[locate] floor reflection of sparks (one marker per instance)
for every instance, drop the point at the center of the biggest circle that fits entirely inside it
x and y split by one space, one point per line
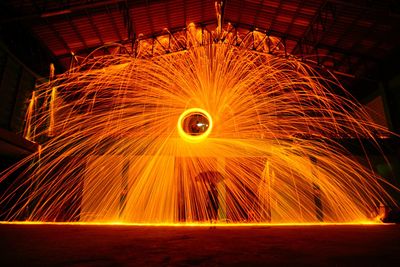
265 150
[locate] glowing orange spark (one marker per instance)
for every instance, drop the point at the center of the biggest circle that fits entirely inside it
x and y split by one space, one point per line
194 138
267 150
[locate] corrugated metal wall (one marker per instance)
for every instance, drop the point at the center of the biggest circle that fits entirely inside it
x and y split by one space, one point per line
16 85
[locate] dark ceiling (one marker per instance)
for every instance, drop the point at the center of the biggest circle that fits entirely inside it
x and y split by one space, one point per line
353 38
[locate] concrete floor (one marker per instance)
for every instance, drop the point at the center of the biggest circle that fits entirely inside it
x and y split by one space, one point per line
77 245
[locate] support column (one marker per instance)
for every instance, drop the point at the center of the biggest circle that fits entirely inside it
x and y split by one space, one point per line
221 190
319 214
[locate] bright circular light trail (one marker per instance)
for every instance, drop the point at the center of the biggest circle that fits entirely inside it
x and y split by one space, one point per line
194 125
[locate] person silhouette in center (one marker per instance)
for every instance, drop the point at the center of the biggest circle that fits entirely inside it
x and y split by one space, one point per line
212 202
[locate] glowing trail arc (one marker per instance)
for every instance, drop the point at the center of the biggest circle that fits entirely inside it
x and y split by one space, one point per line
263 144
190 137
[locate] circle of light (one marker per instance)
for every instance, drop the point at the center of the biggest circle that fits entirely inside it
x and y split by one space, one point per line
191 138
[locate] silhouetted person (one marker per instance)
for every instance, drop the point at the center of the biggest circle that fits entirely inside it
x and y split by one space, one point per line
213 202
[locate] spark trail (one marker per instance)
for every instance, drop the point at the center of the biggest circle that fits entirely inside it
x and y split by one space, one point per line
265 147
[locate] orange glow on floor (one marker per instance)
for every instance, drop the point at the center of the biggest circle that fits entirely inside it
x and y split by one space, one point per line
366 223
